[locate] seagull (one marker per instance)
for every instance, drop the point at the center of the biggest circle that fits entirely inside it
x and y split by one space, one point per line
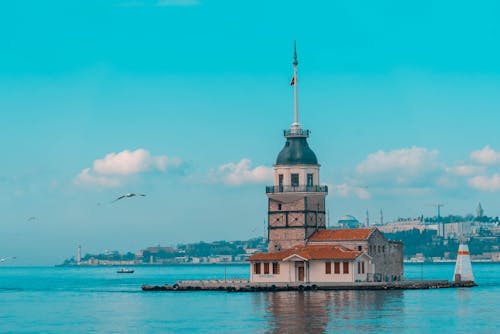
31 218
127 196
6 258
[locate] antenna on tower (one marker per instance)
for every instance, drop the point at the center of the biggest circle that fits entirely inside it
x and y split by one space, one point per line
295 125
367 219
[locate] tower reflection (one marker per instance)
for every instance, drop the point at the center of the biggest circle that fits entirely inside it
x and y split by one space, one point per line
329 311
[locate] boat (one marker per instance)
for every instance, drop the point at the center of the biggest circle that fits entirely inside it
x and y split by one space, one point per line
125 271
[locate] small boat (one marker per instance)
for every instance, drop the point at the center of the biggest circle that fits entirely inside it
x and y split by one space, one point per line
125 271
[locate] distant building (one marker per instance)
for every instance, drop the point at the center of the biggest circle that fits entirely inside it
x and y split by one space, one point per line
348 221
300 248
479 211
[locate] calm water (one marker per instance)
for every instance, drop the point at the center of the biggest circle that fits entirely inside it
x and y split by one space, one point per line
98 300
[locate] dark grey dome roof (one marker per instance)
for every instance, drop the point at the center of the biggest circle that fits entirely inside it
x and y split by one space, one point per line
296 152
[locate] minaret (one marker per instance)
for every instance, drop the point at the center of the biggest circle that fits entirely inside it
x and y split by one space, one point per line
79 255
296 207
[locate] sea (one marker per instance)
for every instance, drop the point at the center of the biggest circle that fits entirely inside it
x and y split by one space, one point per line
99 300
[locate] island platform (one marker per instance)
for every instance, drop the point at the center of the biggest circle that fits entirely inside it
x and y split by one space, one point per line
243 285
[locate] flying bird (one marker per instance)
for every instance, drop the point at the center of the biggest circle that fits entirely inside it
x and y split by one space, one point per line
31 219
7 258
127 196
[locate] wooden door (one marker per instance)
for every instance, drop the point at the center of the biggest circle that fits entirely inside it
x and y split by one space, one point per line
300 272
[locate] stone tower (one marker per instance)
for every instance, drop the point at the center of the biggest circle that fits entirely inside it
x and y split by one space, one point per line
296 207
479 211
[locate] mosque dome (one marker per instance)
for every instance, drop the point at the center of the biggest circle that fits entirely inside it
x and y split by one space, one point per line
349 221
296 152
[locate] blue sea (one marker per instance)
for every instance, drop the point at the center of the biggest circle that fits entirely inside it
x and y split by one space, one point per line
98 300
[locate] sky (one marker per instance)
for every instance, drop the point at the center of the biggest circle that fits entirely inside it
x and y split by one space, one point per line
185 101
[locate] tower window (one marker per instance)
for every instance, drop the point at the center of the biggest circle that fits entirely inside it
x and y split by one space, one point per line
295 180
309 179
279 206
280 180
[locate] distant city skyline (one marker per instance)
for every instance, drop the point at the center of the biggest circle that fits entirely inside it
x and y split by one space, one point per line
185 101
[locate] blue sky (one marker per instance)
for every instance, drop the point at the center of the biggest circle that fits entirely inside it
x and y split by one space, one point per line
185 100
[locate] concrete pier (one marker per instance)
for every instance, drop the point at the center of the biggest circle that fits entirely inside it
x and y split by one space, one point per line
243 285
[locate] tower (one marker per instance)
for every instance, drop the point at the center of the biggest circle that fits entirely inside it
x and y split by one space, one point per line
79 255
296 206
479 211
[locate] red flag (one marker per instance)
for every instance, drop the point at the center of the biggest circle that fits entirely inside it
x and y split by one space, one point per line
293 81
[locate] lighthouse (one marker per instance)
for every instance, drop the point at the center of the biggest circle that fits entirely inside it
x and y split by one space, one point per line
463 267
296 201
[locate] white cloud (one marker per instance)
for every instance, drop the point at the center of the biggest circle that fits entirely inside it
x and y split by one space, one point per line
242 173
112 170
133 162
406 161
88 179
486 183
466 170
486 156
345 190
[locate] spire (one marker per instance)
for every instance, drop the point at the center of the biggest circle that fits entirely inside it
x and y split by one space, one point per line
295 125
295 62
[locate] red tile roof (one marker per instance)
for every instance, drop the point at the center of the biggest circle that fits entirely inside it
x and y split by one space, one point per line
311 252
342 235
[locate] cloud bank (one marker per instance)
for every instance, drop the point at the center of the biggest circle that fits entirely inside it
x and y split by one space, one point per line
486 156
240 173
113 170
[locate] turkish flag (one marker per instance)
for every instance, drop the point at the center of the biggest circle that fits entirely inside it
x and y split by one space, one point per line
293 81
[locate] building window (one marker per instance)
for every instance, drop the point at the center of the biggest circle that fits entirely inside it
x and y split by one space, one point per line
346 268
359 267
309 179
336 267
363 267
280 182
276 268
328 267
379 248
266 268
295 180
383 249
279 206
360 248
256 268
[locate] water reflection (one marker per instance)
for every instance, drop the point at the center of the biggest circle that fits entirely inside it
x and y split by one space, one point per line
331 311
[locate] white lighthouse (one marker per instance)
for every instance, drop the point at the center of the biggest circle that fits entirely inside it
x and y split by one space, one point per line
463 267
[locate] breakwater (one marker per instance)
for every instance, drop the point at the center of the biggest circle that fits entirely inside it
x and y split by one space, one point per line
244 285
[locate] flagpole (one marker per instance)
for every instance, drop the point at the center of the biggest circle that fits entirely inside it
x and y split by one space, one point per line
295 125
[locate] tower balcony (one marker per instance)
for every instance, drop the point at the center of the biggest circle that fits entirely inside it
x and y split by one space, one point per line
296 189
296 132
